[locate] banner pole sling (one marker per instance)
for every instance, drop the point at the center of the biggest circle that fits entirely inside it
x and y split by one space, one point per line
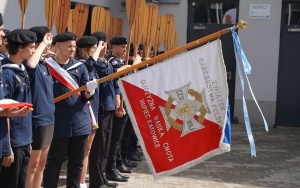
156 59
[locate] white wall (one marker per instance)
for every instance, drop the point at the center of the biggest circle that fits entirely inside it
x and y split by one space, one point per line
260 41
180 12
34 15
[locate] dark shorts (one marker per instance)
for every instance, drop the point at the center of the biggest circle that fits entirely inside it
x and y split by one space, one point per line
42 136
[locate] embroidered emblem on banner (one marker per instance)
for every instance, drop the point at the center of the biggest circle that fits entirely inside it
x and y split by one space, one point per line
186 105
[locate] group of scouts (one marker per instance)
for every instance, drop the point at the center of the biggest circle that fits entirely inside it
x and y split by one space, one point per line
90 129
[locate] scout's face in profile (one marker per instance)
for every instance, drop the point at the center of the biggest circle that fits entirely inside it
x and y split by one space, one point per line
120 50
27 51
67 48
92 50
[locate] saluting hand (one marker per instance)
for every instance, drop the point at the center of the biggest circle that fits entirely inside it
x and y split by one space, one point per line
48 38
137 59
101 44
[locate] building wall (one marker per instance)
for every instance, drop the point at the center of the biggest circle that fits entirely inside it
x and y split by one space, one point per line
260 41
34 15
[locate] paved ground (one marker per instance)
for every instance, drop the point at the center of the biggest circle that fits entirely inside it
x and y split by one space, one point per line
277 164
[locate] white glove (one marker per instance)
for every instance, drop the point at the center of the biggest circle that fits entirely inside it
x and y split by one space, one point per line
91 86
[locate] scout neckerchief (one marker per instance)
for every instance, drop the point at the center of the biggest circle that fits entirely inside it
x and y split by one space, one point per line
21 69
66 79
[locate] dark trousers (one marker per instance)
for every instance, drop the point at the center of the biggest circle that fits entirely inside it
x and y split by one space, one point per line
15 175
100 150
117 132
126 142
74 147
0 165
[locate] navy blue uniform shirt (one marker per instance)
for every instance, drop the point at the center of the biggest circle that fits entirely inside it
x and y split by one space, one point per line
4 140
41 84
17 87
72 116
107 93
116 63
90 65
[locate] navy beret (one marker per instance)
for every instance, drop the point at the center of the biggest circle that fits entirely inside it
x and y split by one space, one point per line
86 41
100 36
40 32
1 19
53 40
6 32
65 36
21 36
118 40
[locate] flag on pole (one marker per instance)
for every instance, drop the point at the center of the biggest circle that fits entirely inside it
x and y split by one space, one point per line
178 109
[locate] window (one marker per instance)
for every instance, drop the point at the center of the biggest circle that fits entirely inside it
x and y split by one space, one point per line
214 13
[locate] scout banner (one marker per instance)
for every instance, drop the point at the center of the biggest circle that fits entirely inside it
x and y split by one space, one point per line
179 109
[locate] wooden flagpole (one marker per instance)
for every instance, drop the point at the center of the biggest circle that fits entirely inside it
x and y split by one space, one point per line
160 33
150 28
156 59
170 29
132 10
78 19
107 21
61 21
81 13
23 6
98 19
138 27
51 11
120 26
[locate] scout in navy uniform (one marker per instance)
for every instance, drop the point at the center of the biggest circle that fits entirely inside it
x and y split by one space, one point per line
41 84
119 49
88 50
21 46
72 118
6 155
100 146
3 49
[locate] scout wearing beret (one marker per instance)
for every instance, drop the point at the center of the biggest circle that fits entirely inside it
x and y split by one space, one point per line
6 155
100 36
5 151
40 32
100 146
16 82
119 49
88 50
41 84
72 115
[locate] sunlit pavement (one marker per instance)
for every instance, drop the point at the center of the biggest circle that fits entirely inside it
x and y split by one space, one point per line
277 164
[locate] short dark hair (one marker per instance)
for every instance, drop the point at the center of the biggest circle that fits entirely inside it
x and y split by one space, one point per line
13 48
